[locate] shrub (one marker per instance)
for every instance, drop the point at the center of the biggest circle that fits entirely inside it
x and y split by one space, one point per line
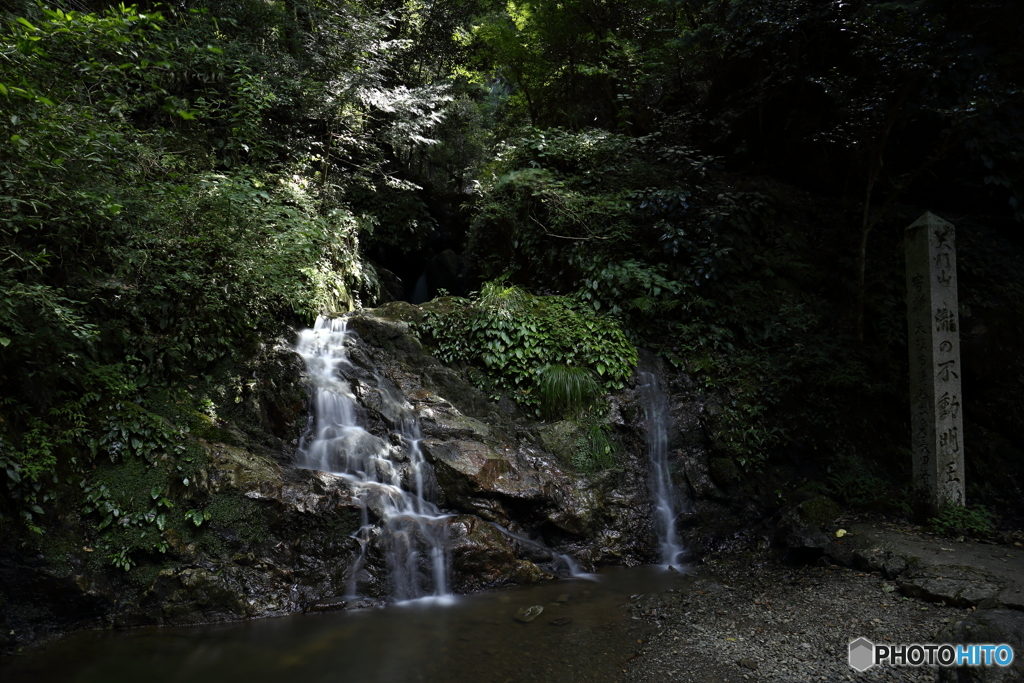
954 520
548 353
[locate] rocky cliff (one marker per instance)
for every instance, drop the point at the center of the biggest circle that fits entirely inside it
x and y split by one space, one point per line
277 538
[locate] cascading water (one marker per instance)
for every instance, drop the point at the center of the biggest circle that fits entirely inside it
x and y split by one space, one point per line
667 504
388 479
571 565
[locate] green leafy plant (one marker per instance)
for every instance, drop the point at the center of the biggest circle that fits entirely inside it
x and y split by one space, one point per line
131 430
852 481
154 220
594 450
953 520
197 517
124 524
548 353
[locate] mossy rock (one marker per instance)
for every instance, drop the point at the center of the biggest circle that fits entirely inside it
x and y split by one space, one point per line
400 311
560 439
236 523
206 428
806 518
818 510
723 471
238 468
442 305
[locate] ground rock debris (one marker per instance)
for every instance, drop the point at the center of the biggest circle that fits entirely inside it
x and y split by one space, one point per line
748 618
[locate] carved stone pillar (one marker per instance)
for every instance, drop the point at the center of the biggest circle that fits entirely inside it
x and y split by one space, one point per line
936 422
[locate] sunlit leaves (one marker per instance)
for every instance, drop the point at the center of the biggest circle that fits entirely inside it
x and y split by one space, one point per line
548 355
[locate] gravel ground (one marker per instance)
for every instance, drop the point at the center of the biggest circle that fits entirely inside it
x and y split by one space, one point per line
759 621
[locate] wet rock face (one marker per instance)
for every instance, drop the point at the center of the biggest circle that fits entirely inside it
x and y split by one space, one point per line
496 469
715 506
281 539
493 462
287 546
282 396
39 599
482 557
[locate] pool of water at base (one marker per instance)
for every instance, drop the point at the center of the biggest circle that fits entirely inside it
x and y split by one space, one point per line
473 638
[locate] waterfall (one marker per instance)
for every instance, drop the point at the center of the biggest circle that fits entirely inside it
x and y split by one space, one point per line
387 478
667 504
421 292
571 565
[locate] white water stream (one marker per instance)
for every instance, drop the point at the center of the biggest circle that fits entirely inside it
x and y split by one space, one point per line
473 639
667 503
388 479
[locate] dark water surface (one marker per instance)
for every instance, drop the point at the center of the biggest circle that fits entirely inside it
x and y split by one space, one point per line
473 639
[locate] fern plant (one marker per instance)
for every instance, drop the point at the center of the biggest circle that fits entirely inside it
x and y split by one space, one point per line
594 450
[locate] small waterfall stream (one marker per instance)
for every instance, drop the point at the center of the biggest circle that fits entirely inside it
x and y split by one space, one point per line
667 503
432 640
387 478
393 483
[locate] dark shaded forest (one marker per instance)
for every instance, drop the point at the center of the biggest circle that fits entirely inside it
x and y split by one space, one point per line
721 183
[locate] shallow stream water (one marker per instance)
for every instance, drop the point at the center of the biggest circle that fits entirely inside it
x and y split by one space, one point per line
473 638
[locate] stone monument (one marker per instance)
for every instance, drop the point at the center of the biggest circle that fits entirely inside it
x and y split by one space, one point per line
935 422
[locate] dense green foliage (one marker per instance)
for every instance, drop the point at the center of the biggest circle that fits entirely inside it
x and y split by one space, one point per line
544 352
168 204
719 279
724 182
777 301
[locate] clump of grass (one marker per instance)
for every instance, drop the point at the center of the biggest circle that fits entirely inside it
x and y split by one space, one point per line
567 391
508 302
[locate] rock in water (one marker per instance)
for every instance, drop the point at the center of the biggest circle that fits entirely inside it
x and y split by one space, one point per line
528 614
561 621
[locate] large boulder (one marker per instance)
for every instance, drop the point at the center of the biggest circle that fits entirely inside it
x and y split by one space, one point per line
284 541
489 460
483 558
987 626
